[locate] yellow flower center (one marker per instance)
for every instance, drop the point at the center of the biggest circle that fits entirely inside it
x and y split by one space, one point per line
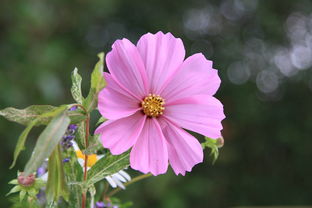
153 105
92 159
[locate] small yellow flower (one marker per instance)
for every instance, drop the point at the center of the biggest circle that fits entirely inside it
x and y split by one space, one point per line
92 159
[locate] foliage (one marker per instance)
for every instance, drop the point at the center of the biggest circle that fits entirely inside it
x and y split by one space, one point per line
106 166
64 181
214 145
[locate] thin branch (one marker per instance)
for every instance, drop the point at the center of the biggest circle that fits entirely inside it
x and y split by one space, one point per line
87 121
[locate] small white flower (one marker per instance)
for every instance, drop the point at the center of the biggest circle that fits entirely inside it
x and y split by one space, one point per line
117 179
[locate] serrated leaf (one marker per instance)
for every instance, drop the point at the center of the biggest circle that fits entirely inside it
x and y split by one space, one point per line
97 84
20 145
56 184
107 165
76 86
48 140
27 115
40 112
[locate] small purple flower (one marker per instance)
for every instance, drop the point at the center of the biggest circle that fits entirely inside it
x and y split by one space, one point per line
72 127
69 136
73 108
41 170
66 160
100 204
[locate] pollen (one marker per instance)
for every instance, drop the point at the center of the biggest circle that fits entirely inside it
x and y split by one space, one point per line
153 105
92 159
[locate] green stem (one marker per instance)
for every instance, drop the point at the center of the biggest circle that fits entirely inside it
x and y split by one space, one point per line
136 179
87 121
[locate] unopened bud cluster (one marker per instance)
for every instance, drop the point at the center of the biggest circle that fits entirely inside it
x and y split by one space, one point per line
26 181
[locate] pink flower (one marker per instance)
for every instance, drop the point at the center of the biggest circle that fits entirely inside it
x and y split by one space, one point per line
151 94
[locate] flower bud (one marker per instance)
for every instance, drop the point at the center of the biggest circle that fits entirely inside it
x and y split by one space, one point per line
26 180
220 142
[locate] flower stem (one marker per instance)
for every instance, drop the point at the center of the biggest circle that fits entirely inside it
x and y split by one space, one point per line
136 179
84 194
87 122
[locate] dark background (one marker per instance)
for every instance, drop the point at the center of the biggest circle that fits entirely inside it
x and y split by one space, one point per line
262 49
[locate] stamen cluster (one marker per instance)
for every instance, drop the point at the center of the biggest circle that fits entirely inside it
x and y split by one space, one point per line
153 105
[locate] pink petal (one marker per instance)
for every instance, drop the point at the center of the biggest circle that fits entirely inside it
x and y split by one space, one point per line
184 150
195 76
162 54
114 102
150 154
119 135
126 66
200 113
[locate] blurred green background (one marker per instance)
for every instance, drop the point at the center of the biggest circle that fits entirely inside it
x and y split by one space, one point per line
262 49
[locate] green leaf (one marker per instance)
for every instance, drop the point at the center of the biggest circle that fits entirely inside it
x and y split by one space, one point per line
56 184
101 120
76 116
27 115
107 165
40 112
20 146
32 192
97 84
22 194
214 145
80 135
92 192
39 183
76 86
48 140
97 78
94 145
14 181
73 173
15 189
21 142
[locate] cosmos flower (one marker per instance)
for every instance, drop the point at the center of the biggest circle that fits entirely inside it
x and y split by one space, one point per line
115 180
152 95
